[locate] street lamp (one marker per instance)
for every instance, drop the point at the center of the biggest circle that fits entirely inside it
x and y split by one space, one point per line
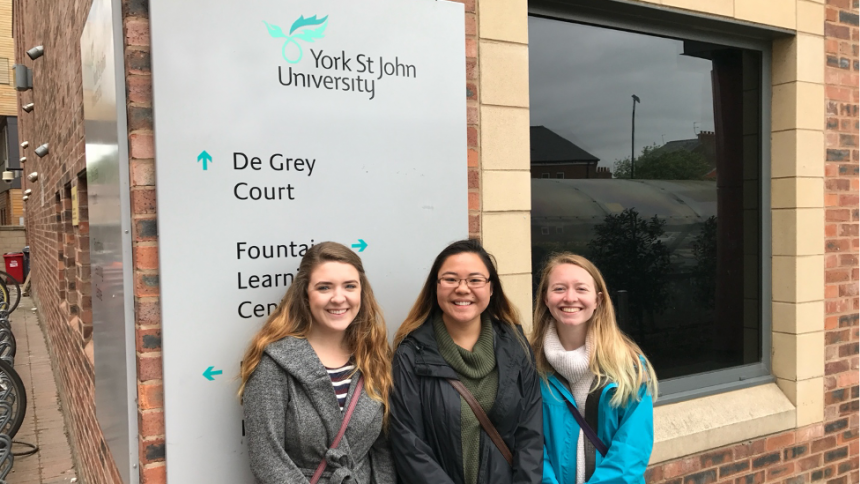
633 137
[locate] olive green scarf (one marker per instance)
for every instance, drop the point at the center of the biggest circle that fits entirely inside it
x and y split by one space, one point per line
478 372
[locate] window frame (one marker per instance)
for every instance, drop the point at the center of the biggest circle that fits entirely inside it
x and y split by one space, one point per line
698 27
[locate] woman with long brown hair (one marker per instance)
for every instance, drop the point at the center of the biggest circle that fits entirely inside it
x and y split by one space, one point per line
466 405
316 379
598 387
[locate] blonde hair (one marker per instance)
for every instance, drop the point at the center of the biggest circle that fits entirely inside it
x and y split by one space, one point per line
366 336
615 357
500 308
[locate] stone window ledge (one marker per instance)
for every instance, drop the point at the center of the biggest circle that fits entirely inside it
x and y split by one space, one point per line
714 421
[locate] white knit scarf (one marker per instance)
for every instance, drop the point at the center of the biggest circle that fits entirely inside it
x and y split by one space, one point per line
573 365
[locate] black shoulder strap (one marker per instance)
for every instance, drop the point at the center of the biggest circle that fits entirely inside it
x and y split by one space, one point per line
483 419
592 406
592 419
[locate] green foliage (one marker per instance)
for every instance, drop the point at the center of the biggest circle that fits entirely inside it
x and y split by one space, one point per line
656 164
627 250
705 271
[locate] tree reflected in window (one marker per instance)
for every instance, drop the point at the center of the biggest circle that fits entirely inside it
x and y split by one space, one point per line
676 228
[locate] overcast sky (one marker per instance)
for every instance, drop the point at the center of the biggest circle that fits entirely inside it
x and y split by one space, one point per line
581 79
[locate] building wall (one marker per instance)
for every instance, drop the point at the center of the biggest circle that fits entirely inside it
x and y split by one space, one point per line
12 239
802 429
60 251
8 98
570 171
11 199
14 207
11 207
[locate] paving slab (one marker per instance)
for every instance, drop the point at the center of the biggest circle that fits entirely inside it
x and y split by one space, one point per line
43 425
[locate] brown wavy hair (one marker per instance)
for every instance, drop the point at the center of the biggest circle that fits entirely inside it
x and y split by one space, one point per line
366 336
615 357
500 308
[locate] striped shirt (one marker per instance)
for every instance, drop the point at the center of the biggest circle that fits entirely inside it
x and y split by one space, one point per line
341 378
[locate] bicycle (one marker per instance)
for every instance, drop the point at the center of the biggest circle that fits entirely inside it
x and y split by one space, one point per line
13 400
10 291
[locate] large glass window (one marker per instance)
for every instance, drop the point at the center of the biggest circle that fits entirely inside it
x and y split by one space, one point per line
654 144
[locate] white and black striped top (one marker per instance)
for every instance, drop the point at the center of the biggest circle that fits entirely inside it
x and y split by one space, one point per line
340 380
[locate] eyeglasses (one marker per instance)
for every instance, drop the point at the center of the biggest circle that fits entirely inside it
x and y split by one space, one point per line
474 282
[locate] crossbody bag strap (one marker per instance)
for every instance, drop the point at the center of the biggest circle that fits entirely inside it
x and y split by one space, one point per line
592 413
337 438
483 419
586 428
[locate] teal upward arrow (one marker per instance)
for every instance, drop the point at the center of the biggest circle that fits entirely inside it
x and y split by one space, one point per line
205 158
361 245
211 373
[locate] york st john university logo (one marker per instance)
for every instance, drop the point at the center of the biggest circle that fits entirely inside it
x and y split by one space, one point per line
305 29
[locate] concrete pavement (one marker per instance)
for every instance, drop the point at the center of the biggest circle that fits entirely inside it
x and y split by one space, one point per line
43 425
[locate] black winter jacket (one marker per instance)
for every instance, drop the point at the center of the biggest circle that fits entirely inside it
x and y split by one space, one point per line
425 414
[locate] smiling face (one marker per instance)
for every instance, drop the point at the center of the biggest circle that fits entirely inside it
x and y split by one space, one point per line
571 296
334 296
462 304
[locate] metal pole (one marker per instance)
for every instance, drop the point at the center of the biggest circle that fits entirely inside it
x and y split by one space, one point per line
633 139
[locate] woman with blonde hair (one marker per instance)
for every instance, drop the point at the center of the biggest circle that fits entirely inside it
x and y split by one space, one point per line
598 387
465 407
316 379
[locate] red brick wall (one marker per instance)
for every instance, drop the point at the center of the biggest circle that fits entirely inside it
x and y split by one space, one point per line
60 251
820 452
826 452
150 387
473 110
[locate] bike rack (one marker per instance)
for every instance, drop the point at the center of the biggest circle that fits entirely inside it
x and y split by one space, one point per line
13 397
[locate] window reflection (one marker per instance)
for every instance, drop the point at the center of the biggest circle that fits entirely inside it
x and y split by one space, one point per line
665 201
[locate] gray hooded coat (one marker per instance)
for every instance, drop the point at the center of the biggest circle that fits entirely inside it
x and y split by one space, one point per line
292 417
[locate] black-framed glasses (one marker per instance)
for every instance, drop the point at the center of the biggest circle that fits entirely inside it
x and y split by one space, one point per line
475 282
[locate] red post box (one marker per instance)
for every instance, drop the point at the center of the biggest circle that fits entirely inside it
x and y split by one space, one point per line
15 265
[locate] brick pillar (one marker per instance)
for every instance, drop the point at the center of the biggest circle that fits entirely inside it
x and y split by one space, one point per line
473 119
150 414
841 241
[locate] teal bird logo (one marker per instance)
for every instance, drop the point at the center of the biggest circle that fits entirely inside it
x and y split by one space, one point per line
305 29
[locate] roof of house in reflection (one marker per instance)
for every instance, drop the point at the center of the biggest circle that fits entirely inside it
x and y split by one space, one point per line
691 200
704 144
548 146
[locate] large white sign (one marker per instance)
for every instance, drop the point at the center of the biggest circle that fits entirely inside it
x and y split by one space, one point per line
279 125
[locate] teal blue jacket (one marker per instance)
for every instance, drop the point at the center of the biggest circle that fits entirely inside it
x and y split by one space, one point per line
627 431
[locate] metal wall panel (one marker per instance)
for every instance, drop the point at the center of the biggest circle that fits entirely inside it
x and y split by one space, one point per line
110 239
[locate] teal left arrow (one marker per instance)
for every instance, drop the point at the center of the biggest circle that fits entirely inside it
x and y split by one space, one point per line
205 158
211 373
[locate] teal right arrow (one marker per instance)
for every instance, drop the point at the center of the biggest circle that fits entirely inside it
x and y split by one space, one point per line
205 158
361 245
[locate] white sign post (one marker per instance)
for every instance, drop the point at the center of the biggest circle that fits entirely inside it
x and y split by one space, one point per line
279 125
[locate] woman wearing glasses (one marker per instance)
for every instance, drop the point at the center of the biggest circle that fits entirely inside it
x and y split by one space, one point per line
462 342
